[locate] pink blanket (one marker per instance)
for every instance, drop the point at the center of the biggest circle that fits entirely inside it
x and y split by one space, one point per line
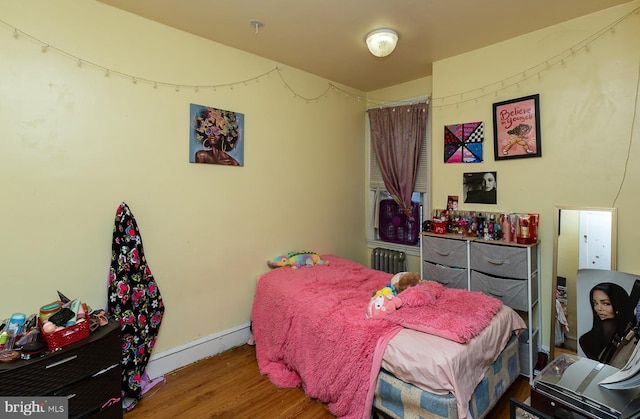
310 328
453 314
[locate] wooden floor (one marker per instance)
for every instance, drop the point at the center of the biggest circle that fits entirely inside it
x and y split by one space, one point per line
229 385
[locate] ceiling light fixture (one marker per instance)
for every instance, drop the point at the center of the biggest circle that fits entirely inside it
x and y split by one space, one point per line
382 42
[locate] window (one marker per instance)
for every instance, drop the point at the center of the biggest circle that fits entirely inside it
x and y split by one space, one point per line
377 194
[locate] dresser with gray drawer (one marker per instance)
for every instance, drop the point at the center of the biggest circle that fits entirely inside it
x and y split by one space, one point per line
507 271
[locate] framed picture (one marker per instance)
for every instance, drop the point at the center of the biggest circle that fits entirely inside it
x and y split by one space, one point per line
480 187
463 143
516 128
216 136
452 203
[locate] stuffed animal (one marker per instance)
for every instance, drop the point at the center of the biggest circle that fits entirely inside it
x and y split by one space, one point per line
296 260
383 302
403 280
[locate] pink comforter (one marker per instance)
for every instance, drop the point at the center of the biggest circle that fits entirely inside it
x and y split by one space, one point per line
310 328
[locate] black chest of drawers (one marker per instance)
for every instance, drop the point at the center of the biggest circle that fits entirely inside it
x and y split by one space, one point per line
86 372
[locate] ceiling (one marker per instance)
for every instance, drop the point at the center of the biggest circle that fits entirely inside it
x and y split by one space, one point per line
326 37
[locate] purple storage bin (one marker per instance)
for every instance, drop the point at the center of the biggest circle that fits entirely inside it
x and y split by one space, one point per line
395 227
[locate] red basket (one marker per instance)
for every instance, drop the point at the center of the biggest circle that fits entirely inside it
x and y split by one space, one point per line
66 336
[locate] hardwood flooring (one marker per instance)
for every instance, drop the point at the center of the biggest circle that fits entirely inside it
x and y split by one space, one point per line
229 385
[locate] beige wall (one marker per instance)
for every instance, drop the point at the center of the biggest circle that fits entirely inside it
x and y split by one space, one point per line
75 143
590 131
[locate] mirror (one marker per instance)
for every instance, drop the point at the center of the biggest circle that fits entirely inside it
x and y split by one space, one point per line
582 238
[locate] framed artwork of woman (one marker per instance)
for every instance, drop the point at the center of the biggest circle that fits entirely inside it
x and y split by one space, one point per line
516 128
216 136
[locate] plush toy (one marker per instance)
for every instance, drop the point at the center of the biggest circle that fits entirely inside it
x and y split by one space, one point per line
403 280
296 260
383 302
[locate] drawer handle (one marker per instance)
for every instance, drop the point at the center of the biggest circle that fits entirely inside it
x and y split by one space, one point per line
442 252
105 370
496 261
62 361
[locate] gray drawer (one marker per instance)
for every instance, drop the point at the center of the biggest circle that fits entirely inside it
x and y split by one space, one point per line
512 292
450 252
447 276
500 260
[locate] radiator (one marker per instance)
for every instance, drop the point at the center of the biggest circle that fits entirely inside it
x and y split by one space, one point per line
387 260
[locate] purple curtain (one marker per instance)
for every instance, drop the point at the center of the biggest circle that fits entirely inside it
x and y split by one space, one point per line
397 134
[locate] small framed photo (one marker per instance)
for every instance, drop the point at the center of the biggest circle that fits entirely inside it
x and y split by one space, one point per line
452 203
480 187
516 128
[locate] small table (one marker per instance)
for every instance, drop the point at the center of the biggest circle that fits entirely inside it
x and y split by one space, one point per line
568 387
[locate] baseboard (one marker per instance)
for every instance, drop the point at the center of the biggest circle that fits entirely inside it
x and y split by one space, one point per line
183 355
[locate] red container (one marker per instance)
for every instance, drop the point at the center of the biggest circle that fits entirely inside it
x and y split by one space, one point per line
526 228
66 336
439 227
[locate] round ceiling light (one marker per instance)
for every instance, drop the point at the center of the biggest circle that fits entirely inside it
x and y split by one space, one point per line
382 42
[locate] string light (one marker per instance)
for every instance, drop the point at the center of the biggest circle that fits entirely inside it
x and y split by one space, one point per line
536 69
157 84
469 95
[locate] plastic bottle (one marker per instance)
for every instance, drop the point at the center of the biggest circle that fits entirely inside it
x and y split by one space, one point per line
506 228
3 339
16 322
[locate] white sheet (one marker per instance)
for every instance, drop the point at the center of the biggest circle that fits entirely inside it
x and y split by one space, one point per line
441 366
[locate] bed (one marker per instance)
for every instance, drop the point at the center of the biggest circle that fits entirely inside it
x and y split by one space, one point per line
443 353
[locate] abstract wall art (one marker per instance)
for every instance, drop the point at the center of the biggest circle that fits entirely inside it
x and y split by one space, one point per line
463 143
